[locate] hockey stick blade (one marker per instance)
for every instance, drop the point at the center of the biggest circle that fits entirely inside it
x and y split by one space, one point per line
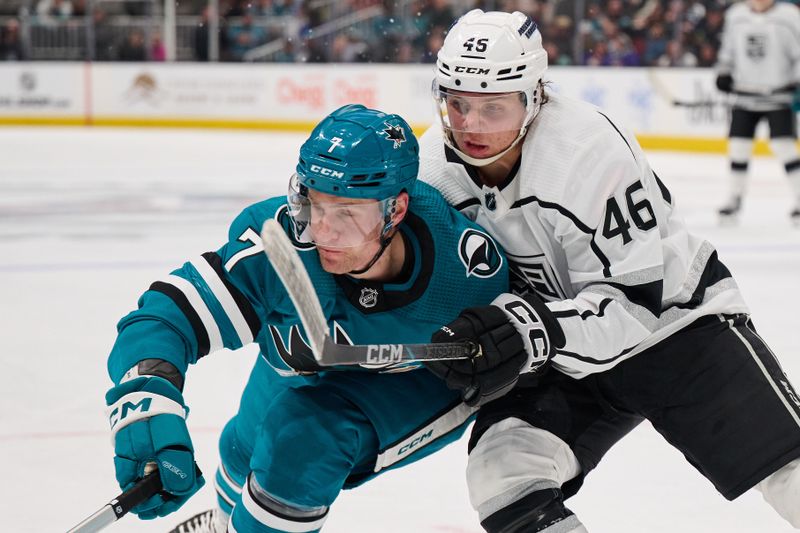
147 487
295 279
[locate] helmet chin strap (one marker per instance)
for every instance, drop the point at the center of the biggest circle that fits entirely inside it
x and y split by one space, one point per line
386 237
482 162
384 244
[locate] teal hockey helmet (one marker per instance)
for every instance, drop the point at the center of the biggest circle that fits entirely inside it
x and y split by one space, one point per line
356 152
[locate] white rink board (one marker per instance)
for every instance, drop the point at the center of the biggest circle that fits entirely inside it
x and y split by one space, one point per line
89 217
43 89
295 96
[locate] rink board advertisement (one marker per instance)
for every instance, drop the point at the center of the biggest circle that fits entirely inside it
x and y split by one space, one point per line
32 93
142 92
271 96
666 108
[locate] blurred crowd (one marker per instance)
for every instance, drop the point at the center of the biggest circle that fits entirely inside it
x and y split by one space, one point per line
682 33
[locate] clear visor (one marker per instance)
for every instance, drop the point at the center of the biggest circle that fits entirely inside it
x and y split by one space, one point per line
333 221
481 113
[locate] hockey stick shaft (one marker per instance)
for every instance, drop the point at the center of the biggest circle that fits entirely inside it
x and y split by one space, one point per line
735 92
147 487
383 354
662 89
293 275
699 103
295 279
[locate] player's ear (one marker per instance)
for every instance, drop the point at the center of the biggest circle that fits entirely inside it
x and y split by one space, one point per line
400 208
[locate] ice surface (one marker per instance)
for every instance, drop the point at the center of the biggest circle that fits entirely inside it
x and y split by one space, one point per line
90 217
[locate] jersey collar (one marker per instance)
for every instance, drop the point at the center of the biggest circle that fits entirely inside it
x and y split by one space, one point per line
373 296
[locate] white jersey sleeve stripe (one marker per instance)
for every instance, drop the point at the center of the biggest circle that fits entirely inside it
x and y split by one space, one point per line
196 301
225 299
694 275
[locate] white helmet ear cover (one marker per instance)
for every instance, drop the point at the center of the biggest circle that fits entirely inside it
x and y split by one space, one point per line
492 52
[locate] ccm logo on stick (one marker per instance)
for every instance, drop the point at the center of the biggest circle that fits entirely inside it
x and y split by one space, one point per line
384 353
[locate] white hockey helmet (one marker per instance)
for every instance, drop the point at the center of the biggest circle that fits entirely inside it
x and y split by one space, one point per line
489 53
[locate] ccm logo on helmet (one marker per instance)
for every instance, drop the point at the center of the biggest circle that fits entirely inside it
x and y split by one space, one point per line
472 70
327 171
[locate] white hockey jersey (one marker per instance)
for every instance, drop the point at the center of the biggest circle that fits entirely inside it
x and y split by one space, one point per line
762 53
589 227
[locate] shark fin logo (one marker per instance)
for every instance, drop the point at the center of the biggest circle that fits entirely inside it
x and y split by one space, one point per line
297 352
479 254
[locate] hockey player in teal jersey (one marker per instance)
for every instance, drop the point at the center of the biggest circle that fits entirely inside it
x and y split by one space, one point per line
390 262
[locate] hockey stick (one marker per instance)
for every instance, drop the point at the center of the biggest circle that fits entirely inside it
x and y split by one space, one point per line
295 279
735 92
148 486
664 92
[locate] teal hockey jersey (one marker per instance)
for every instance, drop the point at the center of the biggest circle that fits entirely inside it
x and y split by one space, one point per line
232 297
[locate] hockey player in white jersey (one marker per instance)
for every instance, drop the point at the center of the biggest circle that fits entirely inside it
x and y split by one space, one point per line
759 64
654 324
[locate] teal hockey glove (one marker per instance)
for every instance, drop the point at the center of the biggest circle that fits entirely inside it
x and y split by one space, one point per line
148 425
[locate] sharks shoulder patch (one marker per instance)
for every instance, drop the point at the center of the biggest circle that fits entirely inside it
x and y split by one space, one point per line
479 254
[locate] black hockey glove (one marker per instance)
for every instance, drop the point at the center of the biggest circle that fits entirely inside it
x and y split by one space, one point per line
725 83
516 336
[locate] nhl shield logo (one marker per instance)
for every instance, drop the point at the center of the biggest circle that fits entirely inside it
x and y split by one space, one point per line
368 298
491 201
479 254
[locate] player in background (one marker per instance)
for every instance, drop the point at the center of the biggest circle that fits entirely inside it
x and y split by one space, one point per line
390 261
654 323
759 64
